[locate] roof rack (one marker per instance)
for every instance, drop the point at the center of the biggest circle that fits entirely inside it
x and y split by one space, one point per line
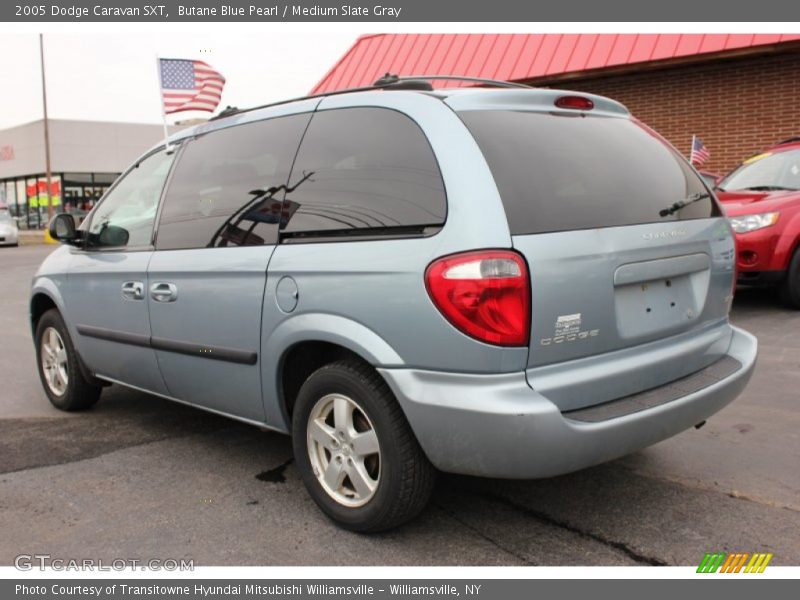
226 112
387 82
390 80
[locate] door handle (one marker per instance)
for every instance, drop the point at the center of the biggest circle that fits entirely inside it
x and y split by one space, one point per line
164 292
133 290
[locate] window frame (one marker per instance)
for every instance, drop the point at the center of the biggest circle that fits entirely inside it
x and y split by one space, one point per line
389 233
175 148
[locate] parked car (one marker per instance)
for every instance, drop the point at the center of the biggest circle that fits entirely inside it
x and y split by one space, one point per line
510 283
762 199
9 232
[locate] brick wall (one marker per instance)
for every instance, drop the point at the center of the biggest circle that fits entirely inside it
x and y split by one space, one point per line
736 106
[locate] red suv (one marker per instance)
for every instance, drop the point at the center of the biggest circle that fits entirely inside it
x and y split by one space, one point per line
762 199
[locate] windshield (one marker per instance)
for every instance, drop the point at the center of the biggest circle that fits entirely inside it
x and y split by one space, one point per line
779 171
5 217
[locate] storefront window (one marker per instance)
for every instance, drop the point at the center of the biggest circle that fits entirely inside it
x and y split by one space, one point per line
83 190
22 204
105 179
29 198
11 195
8 197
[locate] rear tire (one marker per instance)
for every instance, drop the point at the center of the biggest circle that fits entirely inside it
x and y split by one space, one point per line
59 369
790 287
347 421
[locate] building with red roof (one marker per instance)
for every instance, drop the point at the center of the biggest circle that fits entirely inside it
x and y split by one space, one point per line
735 91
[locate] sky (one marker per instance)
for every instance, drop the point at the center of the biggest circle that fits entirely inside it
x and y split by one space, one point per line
113 77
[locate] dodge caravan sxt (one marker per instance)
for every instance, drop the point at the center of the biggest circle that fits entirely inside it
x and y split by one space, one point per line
498 282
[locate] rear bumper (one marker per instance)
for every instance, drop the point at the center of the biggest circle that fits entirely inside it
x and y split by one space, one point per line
497 426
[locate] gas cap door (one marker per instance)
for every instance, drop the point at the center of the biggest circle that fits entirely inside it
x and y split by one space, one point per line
286 294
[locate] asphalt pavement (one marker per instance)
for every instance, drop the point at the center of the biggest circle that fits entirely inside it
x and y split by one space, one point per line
141 477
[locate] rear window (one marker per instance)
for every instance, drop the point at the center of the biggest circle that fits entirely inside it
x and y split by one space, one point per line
558 173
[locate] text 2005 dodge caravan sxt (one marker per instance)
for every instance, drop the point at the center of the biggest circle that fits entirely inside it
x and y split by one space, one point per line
498 282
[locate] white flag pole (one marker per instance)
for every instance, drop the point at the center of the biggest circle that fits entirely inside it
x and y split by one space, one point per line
48 174
691 150
161 100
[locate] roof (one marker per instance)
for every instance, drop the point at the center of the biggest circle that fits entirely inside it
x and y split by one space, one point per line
525 57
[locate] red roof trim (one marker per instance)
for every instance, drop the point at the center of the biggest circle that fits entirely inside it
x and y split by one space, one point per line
524 56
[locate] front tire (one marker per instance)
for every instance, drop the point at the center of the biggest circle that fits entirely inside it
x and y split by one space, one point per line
356 452
790 288
62 379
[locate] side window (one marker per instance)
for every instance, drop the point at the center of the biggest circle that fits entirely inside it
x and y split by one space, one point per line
228 186
363 171
126 215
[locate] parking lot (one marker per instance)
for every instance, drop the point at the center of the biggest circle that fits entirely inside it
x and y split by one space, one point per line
140 477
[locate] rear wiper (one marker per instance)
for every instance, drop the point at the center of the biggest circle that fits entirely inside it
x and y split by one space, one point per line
665 212
769 188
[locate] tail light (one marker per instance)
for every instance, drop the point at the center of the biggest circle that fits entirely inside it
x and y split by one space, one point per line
484 294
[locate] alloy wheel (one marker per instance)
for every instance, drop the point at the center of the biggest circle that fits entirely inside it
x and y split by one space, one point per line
54 361
344 450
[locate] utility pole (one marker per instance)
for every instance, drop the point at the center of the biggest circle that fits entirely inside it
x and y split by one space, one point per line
48 175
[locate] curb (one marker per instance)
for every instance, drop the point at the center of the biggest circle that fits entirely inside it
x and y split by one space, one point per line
36 237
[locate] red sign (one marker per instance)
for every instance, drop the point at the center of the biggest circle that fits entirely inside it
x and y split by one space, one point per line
40 188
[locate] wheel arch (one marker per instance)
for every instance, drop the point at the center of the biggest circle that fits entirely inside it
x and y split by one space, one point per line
300 361
40 303
45 296
303 344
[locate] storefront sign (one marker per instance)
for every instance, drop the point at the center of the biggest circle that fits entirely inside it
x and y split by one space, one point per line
38 196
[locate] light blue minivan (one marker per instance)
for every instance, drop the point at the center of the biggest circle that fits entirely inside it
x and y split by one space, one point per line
497 282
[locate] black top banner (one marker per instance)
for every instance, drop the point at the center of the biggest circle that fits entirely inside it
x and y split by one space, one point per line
406 11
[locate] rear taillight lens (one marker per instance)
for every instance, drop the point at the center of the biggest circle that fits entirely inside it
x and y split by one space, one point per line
485 294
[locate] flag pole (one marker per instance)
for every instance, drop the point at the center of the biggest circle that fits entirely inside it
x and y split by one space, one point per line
161 100
48 174
691 150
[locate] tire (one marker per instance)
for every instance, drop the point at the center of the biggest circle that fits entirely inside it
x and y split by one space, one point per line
399 474
790 287
76 393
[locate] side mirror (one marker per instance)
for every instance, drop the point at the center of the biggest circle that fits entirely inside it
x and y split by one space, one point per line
62 229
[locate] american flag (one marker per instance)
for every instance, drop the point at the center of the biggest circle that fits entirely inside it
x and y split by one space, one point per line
189 85
700 153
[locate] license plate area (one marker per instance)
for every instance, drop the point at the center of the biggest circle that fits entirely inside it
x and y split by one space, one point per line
659 296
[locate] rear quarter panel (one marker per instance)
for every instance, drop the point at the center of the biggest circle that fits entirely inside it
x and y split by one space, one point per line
371 294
